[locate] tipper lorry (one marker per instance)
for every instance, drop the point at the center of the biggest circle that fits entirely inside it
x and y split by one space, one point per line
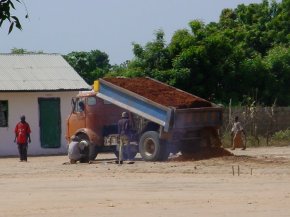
164 119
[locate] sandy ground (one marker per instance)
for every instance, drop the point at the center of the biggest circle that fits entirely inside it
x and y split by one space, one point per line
45 187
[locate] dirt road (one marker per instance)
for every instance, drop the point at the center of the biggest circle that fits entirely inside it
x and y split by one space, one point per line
45 187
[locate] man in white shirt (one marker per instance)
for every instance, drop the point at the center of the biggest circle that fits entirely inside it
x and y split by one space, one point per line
236 133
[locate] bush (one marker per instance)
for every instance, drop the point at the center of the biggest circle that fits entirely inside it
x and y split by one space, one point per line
282 135
281 138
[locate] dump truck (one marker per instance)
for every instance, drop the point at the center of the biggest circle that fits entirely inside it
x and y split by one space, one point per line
164 119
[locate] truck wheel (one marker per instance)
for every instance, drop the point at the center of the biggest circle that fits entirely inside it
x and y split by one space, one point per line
90 152
151 148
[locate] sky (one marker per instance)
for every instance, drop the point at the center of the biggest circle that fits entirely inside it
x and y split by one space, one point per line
111 26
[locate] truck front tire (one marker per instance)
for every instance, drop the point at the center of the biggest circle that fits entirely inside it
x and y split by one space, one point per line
151 148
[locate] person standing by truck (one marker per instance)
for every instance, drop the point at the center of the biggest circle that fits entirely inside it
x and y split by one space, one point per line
22 137
124 131
236 133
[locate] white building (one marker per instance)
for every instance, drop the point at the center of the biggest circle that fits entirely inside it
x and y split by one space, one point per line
39 86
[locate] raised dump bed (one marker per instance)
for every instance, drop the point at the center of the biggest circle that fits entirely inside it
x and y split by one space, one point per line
160 103
158 92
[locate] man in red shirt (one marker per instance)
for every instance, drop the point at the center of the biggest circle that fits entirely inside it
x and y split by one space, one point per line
22 137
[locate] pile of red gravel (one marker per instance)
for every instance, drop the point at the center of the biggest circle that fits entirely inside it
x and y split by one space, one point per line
159 92
204 153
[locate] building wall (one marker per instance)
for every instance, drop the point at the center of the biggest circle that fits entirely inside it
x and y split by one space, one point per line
27 104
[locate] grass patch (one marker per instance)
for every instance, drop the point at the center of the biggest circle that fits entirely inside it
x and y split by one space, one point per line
282 135
280 138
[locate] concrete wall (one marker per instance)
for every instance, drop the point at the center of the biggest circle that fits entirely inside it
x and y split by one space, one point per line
27 104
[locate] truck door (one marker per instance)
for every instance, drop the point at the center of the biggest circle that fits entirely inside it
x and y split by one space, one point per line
49 122
77 119
80 111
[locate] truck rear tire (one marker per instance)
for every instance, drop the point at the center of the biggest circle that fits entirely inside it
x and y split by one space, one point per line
151 148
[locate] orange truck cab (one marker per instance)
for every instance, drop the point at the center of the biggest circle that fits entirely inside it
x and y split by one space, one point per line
92 119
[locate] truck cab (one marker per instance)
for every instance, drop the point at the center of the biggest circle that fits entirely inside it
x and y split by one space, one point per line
91 119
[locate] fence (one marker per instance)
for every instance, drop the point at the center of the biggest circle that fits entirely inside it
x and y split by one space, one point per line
258 120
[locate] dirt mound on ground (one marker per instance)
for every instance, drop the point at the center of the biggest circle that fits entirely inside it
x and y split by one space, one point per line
159 92
203 154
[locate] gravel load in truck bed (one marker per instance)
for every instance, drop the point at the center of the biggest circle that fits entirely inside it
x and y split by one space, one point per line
159 92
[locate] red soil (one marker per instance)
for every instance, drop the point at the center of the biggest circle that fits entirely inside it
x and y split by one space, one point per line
159 92
205 153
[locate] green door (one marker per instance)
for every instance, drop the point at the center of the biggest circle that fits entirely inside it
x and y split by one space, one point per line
49 122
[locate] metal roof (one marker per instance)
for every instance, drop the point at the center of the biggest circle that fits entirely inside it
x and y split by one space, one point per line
38 72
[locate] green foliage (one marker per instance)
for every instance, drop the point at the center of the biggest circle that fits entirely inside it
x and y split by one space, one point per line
281 138
196 27
24 51
5 14
90 65
277 63
282 135
18 51
244 55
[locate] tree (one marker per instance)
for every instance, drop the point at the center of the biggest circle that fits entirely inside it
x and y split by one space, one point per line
90 65
244 55
277 62
154 60
5 14
154 55
280 23
24 51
